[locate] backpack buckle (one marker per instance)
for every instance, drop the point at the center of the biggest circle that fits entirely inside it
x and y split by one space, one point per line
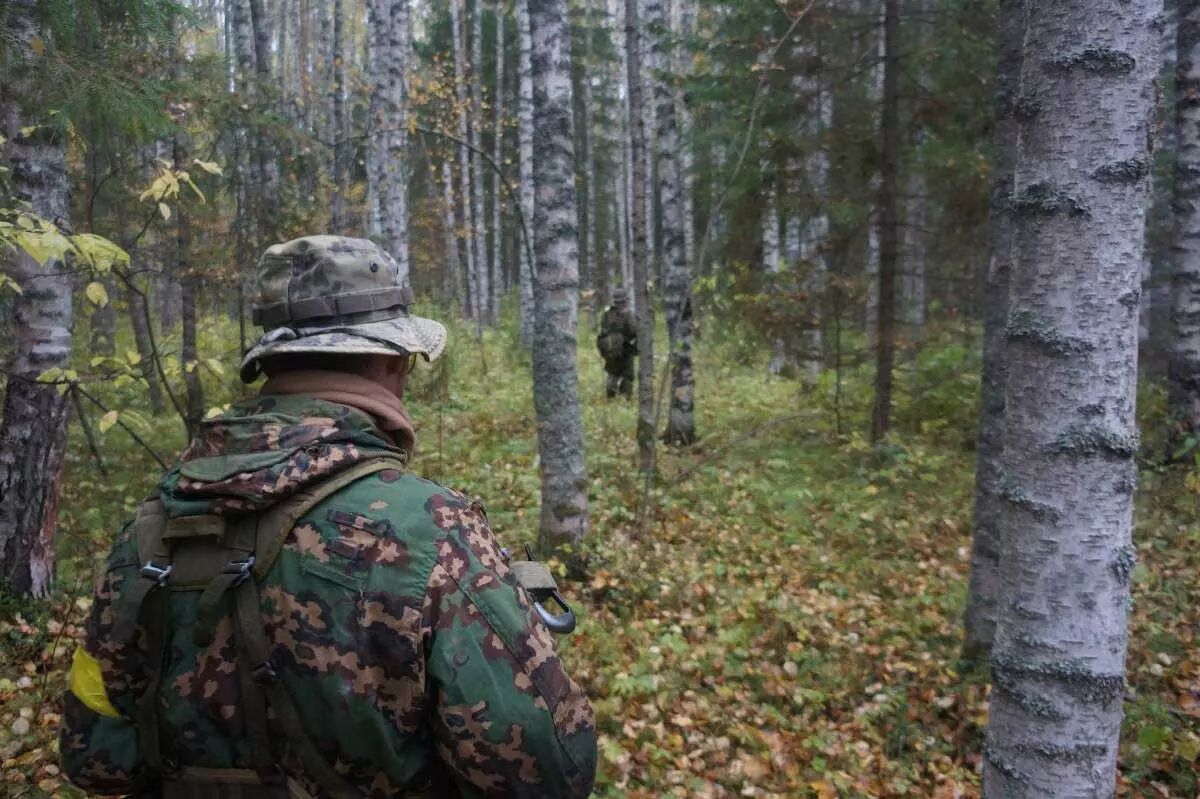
156 573
264 673
241 568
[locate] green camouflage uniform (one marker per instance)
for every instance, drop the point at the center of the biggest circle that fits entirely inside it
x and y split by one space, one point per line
414 659
617 322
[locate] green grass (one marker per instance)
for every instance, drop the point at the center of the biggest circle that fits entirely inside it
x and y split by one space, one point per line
788 622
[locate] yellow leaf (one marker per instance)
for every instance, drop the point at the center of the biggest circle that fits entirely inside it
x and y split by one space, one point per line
97 294
210 167
108 420
164 210
37 45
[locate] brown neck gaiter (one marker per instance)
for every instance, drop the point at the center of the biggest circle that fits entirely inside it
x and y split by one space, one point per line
355 391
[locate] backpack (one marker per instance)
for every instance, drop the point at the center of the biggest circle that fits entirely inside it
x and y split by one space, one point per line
215 555
611 345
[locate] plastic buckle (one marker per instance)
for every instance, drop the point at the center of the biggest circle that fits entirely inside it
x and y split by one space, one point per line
241 568
158 574
264 673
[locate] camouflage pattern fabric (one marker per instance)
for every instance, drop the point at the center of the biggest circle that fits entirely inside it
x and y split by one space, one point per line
336 294
409 649
617 322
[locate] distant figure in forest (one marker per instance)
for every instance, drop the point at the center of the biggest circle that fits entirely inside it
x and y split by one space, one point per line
295 613
617 343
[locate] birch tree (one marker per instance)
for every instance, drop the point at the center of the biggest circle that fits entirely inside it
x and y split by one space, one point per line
34 429
639 255
497 281
1184 368
564 514
889 229
677 277
478 216
390 45
1080 194
916 201
462 100
983 592
525 157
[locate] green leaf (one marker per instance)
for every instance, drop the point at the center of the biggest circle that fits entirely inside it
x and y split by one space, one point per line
108 420
98 251
97 294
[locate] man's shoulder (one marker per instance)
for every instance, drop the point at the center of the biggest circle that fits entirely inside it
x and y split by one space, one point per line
398 501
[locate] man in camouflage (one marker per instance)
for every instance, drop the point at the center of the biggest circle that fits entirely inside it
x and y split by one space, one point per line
617 343
379 647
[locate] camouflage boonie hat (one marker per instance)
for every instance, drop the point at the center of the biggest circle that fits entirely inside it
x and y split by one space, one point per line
336 294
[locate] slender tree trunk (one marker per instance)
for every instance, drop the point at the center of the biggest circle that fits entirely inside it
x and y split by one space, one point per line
455 291
564 516
983 593
590 244
462 99
497 276
390 44
677 277
478 214
339 222
1184 367
885 342
639 251
916 201
525 147
34 428
875 98
1081 190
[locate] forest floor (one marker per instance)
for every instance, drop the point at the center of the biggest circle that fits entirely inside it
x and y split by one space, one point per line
788 625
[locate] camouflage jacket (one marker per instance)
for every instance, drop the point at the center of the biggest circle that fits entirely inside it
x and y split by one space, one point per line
396 626
618 322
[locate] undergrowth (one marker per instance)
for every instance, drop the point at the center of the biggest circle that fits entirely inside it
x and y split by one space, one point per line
787 624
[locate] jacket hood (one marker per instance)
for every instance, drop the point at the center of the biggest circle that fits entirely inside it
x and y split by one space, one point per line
263 450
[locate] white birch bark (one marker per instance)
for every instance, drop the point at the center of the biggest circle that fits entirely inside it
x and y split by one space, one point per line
984 589
912 280
462 99
525 154
590 248
455 290
772 263
1081 190
1184 368
564 513
875 98
677 276
498 199
390 46
478 215
33 431
639 254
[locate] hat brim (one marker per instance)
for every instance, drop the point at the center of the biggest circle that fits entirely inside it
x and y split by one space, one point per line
414 335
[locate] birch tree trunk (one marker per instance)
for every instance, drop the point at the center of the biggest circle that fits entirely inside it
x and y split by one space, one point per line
1081 190
478 215
525 154
462 99
639 255
339 221
1184 367
455 291
889 239
874 97
564 515
983 592
497 281
677 278
590 244
390 45
916 201
34 429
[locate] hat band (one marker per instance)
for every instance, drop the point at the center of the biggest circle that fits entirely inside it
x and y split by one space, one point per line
345 307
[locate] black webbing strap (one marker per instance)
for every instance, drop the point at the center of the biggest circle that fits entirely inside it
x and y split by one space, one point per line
264 688
156 612
240 535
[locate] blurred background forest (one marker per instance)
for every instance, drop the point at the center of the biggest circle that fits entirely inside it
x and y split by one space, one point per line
801 198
